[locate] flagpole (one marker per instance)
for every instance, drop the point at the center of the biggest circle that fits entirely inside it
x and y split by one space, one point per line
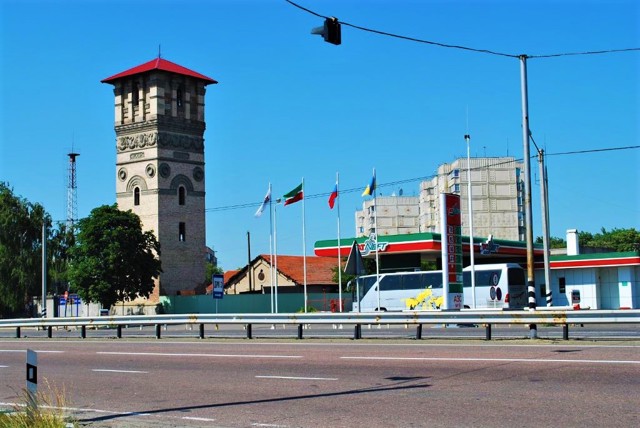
275 253
304 249
339 258
375 225
271 248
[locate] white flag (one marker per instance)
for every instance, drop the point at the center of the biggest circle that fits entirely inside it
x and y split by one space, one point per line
267 199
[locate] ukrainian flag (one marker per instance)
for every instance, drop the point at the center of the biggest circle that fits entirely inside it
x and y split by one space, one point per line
371 187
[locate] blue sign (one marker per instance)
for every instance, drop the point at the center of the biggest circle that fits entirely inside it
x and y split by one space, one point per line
218 286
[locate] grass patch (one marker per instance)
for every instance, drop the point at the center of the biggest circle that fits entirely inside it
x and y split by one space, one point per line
45 410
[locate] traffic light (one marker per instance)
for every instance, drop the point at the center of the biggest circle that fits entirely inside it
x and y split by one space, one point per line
330 31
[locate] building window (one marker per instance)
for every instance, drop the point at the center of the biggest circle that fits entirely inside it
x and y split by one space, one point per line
181 231
179 97
136 196
135 92
562 285
181 195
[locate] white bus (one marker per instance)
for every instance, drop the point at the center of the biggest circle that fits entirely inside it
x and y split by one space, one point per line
497 286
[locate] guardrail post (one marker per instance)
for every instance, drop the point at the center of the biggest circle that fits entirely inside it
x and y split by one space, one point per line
249 336
158 331
83 332
357 332
119 332
17 332
488 331
49 332
201 331
419 332
299 331
565 331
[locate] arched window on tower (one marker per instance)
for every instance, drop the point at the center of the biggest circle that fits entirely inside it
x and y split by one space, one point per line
181 195
136 196
135 92
179 96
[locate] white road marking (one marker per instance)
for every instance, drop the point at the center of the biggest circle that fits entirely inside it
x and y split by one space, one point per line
117 371
297 378
3 367
509 360
268 425
192 418
165 354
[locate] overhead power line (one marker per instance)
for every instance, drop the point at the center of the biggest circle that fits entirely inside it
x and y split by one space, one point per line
461 47
419 179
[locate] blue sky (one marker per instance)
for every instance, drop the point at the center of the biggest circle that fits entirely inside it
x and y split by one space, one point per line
289 105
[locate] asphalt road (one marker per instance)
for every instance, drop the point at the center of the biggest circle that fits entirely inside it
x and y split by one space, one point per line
339 383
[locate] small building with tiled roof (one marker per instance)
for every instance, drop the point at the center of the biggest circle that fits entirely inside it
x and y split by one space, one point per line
256 277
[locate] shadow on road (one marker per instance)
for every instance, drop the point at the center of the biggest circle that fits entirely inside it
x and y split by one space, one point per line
399 386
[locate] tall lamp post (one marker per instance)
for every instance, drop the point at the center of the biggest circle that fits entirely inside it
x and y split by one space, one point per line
467 138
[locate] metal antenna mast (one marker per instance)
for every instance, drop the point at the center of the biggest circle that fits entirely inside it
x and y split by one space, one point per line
72 194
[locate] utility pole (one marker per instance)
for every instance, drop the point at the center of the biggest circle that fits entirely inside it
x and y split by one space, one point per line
249 273
544 205
531 285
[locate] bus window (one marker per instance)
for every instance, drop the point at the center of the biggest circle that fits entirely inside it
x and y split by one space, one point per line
413 282
433 279
487 278
391 282
516 276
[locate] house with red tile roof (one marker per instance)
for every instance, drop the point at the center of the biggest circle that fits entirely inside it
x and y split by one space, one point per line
257 278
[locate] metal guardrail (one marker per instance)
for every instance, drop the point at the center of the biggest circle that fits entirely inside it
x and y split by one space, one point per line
418 318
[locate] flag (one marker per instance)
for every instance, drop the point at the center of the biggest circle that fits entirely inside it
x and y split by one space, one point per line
293 196
333 196
267 199
371 187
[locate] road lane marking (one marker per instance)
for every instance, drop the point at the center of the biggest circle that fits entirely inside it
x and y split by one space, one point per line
117 371
166 354
193 418
499 360
268 425
3 367
297 378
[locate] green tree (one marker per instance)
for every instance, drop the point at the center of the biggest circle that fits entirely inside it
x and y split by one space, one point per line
113 259
59 245
619 240
369 266
211 269
616 239
553 242
20 251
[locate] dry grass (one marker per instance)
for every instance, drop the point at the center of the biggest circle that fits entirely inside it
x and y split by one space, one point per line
45 410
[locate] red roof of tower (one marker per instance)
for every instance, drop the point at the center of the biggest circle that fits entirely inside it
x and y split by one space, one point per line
159 64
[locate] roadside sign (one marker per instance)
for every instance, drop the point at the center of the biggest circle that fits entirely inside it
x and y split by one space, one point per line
355 264
32 372
218 286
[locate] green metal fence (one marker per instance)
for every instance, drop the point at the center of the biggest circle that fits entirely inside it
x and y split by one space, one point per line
253 303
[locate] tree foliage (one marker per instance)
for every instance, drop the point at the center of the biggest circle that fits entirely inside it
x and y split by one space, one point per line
20 251
553 242
211 269
615 240
113 259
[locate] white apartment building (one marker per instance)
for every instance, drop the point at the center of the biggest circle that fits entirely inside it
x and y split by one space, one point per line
497 201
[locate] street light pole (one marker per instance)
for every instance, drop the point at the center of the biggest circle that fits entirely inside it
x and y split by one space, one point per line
467 138
531 286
